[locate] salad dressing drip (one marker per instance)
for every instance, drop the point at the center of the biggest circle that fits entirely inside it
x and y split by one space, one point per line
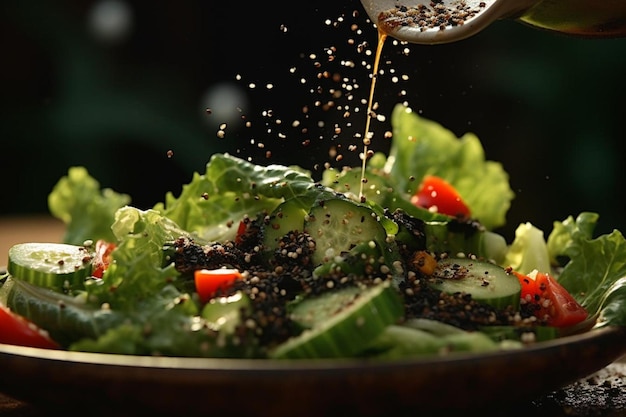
367 138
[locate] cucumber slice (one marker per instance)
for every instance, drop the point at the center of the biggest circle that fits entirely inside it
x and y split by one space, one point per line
287 217
337 225
341 323
484 281
455 237
224 313
361 260
57 266
310 312
521 334
67 318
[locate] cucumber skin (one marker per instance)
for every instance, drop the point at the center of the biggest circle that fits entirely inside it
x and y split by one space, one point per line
66 319
471 280
400 342
57 266
287 217
346 333
453 237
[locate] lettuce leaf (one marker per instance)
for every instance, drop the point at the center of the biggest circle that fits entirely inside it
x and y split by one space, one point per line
596 271
138 269
592 269
87 210
529 250
230 189
421 146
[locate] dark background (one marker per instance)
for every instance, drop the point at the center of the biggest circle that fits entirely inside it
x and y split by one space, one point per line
548 106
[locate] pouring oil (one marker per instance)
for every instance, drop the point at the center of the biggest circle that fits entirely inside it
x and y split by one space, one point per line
367 137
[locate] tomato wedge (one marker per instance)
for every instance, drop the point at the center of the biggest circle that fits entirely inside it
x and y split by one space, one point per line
17 330
550 300
241 231
102 257
436 194
210 281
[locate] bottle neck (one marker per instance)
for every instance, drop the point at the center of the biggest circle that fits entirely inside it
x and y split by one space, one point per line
584 18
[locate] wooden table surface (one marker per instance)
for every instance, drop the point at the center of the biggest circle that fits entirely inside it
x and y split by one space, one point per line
22 229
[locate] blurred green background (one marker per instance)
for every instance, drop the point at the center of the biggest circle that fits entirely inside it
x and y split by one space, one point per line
114 85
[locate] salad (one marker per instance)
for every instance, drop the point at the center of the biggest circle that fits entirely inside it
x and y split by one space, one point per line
252 261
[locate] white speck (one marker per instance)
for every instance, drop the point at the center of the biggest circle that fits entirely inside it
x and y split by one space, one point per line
224 100
110 21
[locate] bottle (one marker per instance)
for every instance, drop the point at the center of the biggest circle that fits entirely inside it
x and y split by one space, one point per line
584 18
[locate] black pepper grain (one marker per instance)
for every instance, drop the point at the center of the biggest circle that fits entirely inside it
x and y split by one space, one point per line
438 15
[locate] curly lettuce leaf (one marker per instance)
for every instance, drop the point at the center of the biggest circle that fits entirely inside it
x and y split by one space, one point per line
230 189
138 269
594 268
528 251
87 210
596 271
421 146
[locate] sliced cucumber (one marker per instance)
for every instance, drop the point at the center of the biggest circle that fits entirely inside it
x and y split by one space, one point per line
455 237
339 224
484 281
341 323
224 313
363 259
66 318
287 217
313 311
525 333
57 266
398 342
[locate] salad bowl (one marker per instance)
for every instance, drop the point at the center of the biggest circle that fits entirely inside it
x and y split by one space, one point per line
130 385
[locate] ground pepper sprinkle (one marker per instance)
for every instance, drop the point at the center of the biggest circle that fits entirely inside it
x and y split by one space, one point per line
272 285
436 15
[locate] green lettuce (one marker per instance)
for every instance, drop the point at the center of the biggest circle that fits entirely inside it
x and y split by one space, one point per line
230 189
528 251
422 147
592 268
87 210
596 271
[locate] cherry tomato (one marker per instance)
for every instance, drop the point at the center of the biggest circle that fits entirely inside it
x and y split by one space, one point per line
102 257
550 300
438 195
17 330
210 281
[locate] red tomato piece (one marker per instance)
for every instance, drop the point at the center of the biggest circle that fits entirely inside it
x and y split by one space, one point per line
241 231
102 257
210 281
439 195
17 330
530 291
552 302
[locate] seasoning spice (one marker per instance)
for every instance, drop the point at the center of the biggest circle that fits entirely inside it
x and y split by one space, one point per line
436 15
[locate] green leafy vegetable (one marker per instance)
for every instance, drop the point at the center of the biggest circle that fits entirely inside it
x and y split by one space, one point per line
596 269
87 210
230 189
421 146
528 251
